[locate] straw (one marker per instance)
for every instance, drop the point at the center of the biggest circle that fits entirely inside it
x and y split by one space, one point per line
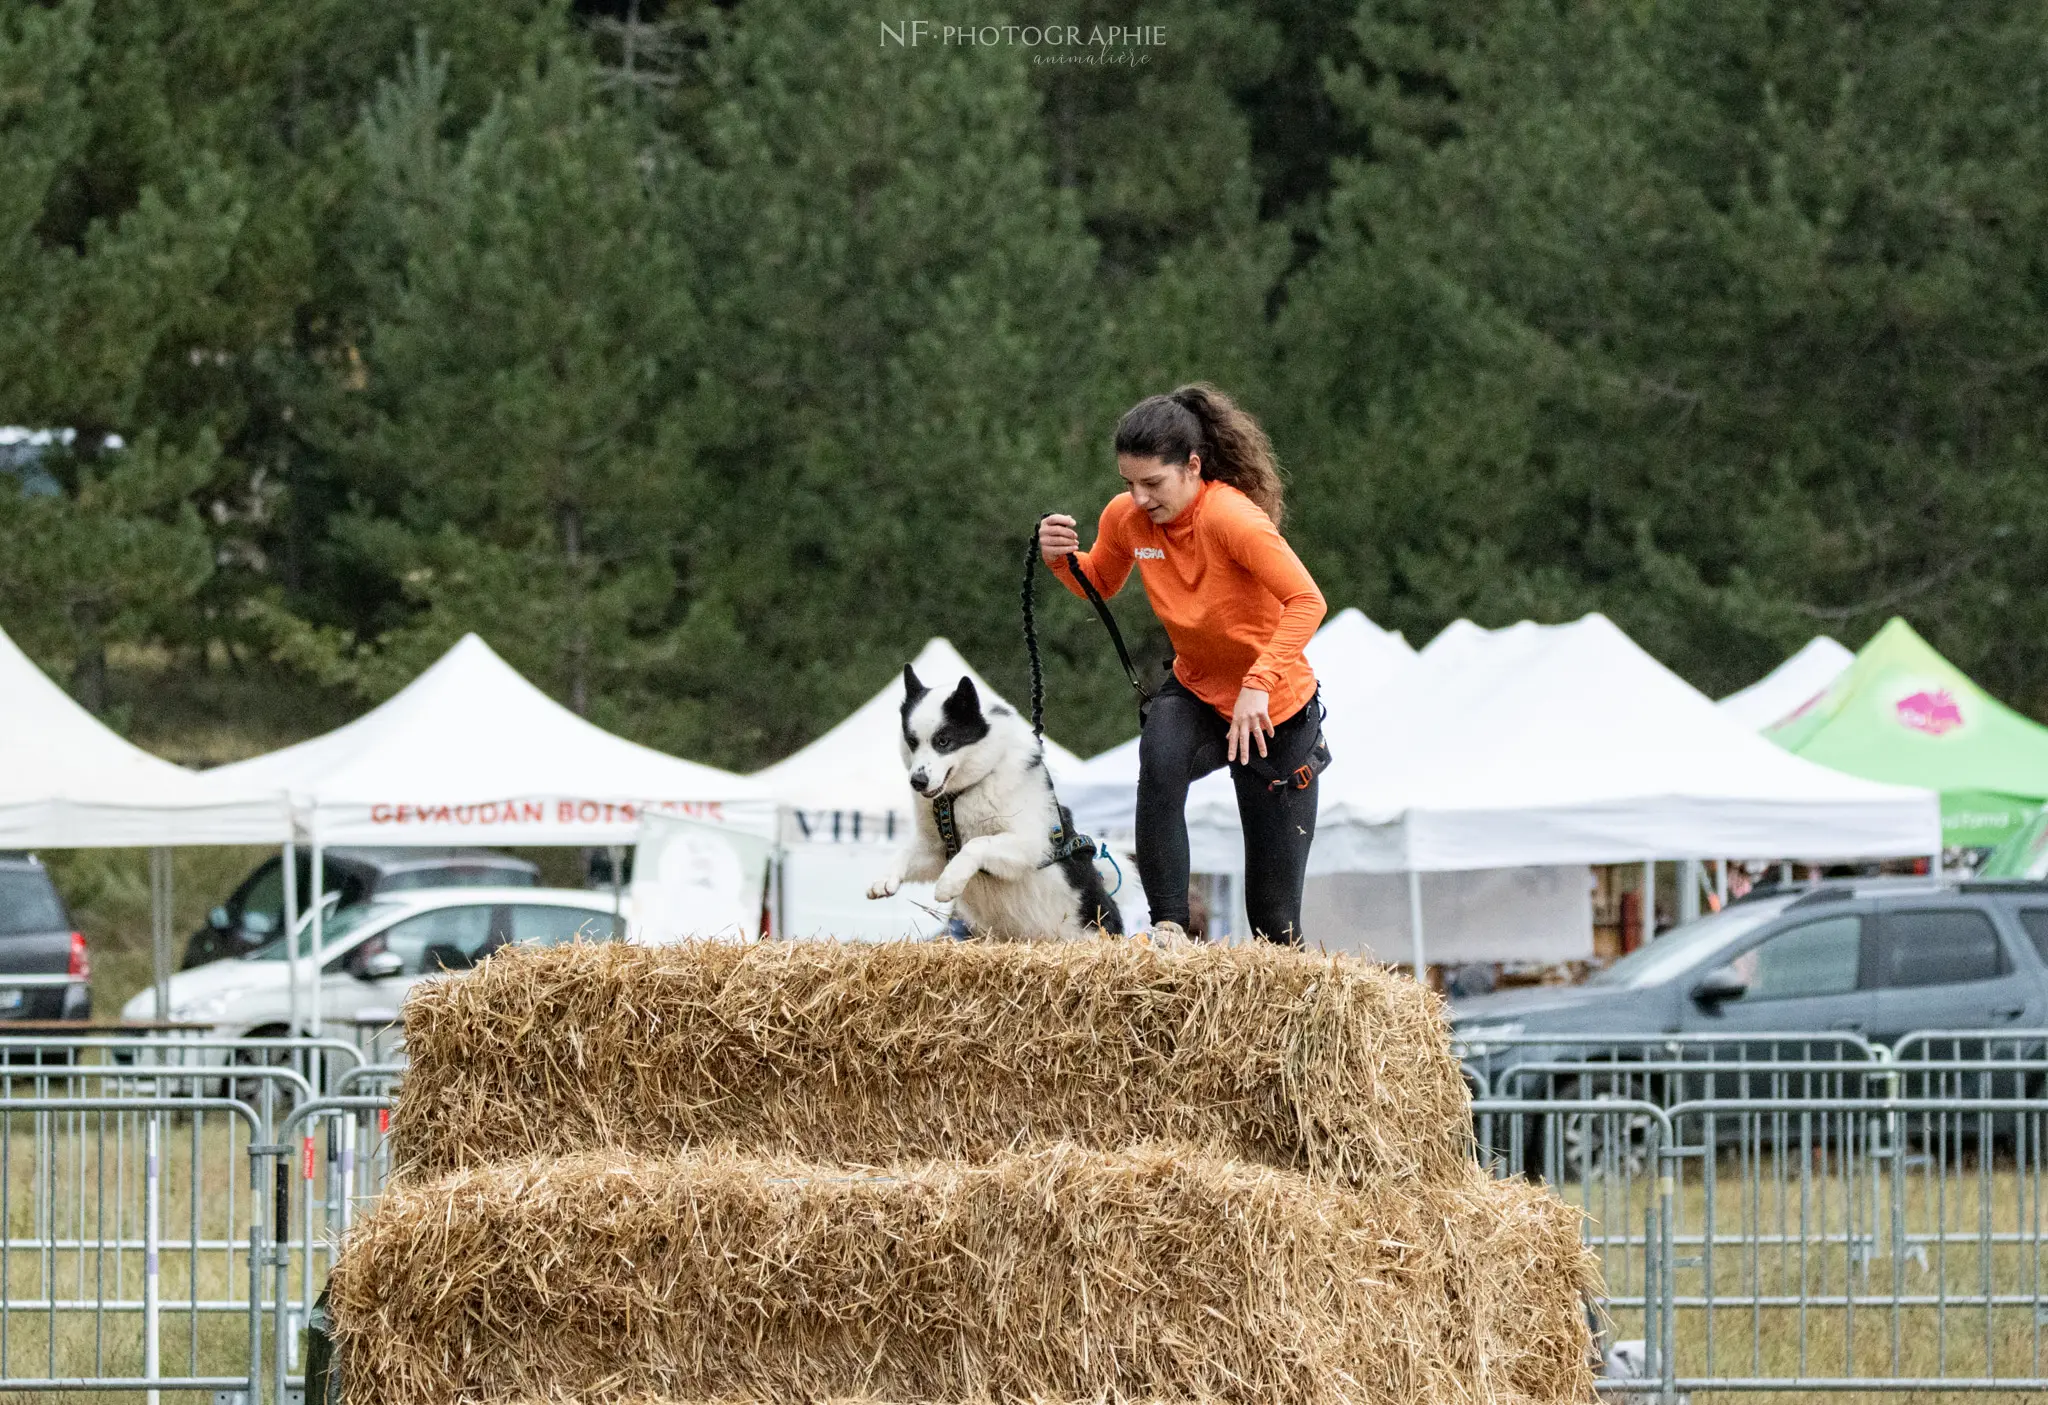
866 1054
1055 1273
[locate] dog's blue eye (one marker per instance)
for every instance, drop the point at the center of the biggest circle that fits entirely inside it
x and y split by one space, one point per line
942 740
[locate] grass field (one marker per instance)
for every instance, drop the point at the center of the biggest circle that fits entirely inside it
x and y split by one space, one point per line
76 1180
1796 1270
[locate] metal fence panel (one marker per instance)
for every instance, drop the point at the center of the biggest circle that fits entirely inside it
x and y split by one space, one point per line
132 1243
1867 1244
1817 1214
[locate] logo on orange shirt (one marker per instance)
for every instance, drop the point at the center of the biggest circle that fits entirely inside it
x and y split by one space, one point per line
1149 553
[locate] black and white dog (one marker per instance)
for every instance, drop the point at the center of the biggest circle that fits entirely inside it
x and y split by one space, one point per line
990 832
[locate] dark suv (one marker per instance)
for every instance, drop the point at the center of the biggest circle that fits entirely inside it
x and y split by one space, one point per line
38 940
254 913
1868 959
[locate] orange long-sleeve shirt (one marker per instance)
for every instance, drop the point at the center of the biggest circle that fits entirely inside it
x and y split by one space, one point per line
1235 599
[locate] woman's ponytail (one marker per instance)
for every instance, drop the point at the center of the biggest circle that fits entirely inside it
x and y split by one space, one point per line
1200 419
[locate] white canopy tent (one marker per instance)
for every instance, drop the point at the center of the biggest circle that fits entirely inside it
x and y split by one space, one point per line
1789 686
844 801
1567 744
471 753
68 782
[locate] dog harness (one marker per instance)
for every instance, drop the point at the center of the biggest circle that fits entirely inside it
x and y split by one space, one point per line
1064 844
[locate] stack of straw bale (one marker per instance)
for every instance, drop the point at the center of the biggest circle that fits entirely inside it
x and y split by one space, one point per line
948 1173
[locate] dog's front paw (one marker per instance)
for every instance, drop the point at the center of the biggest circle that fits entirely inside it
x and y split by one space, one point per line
884 888
951 881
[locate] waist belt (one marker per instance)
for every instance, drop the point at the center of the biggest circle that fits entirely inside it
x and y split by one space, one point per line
1313 761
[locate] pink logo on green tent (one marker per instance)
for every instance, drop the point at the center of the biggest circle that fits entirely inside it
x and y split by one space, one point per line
1931 710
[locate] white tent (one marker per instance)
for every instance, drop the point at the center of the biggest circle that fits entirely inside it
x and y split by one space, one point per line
1544 744
845 801
68 782
1568 744
1531 914
1535 748
849 783
471 753
1789 686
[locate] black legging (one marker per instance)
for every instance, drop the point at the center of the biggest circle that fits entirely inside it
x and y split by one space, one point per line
1184 740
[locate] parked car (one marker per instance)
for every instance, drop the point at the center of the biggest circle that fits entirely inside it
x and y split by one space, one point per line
373 952
1787 977
39 940
254 913
1864 960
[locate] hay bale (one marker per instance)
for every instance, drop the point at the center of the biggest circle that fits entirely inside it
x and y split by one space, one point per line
1054 1274
861 1054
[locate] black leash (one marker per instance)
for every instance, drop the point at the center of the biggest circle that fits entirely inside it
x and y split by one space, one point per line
1315 760
1116 636
1065 842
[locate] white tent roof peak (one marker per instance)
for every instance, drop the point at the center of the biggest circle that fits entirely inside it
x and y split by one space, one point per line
857 766
1789 686
1569 744
67 781
471 751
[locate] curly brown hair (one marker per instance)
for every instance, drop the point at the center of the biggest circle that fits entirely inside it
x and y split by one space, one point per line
1200 419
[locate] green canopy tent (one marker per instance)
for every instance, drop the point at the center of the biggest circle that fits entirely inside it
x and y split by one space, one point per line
1901 712
2025 855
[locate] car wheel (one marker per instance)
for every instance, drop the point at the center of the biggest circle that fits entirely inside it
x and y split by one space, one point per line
1591 1146
1604 1146
250 1090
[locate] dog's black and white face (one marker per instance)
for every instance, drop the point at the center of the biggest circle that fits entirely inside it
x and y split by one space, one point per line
943 736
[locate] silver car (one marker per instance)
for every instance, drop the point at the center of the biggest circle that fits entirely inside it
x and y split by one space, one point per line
373 953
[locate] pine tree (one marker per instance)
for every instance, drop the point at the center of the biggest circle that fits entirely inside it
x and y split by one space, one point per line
521 447
1717 317
86 308
902 314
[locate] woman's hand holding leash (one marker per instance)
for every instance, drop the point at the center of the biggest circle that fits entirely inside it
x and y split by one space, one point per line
1057 537
1249 722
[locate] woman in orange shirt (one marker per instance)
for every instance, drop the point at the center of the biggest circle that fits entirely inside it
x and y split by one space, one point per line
1201 522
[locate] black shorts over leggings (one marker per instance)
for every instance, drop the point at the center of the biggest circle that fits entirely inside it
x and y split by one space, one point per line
1185 739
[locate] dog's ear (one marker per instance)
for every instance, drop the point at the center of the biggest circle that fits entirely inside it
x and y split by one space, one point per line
913 686
965 700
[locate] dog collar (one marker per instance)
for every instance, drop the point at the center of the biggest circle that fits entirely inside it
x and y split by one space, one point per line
942 816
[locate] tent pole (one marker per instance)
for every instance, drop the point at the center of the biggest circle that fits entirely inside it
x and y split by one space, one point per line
160 928
319 901
1415 925
1688 890
291 927
1649 901
1721 880
1784 873
1934 866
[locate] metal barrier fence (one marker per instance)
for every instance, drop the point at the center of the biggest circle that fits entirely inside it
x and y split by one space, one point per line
1764 1222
